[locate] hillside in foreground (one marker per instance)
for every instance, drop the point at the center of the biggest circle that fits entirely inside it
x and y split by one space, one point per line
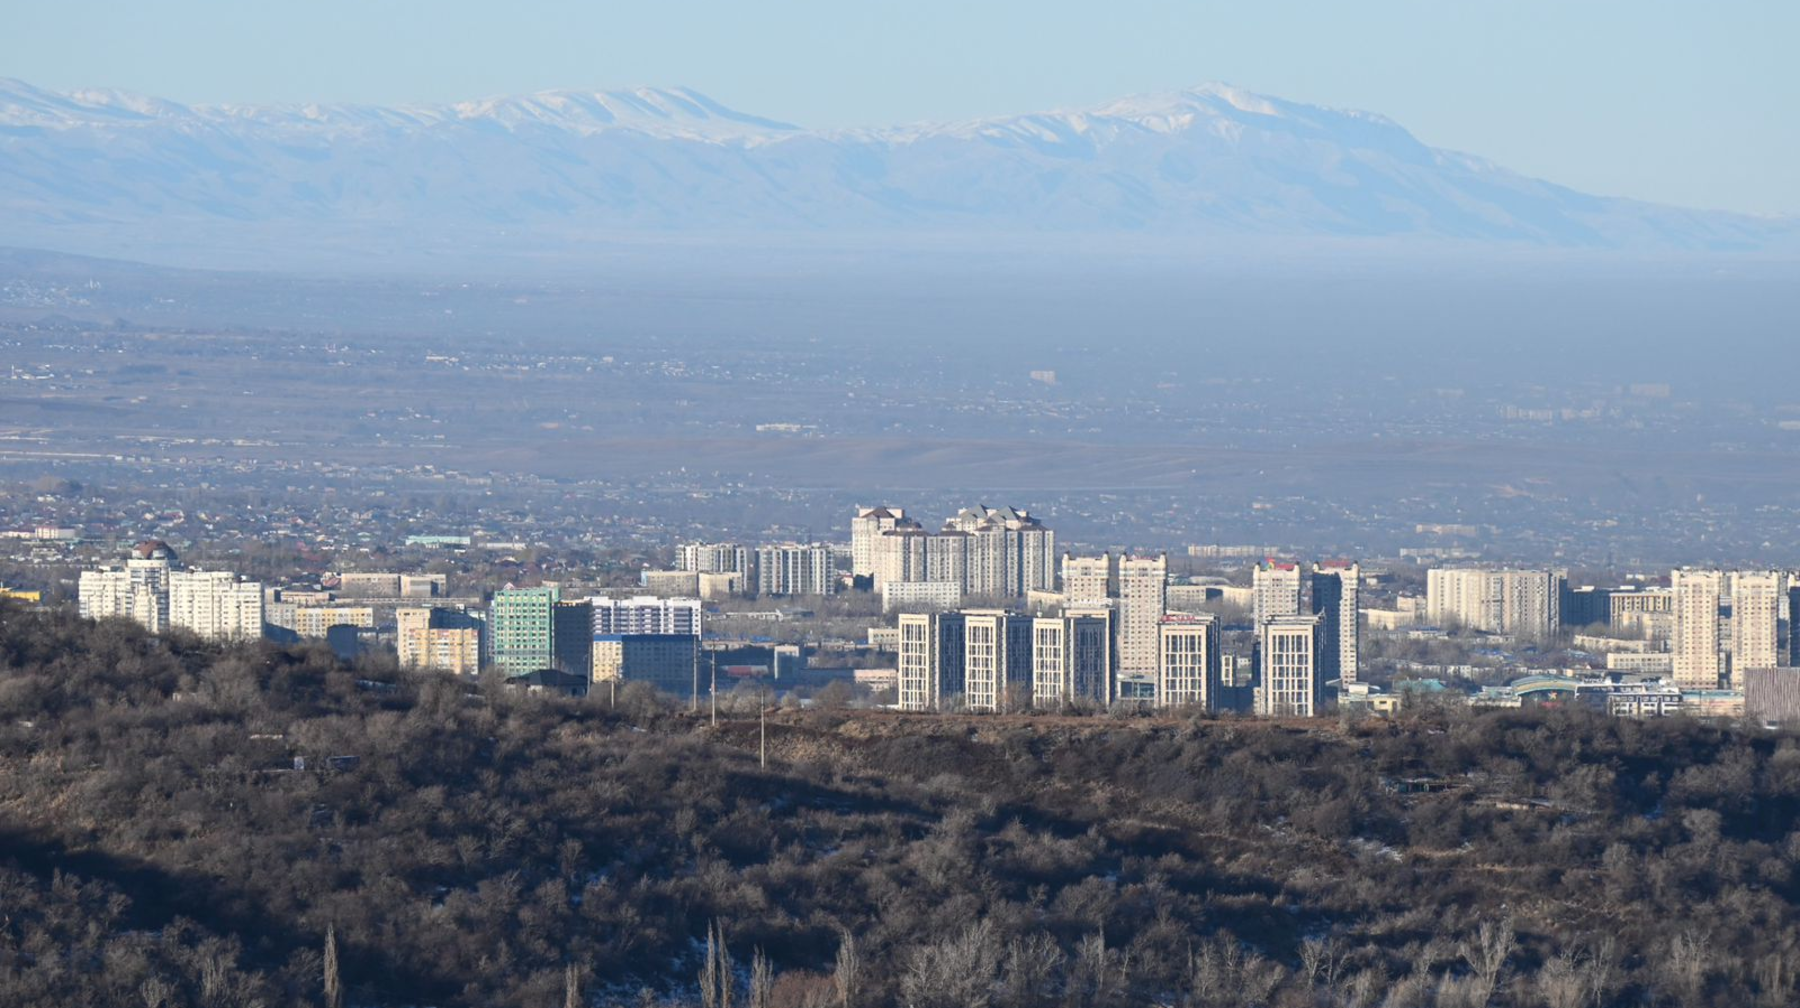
467 846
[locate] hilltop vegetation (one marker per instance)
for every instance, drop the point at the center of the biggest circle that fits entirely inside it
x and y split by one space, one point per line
162 848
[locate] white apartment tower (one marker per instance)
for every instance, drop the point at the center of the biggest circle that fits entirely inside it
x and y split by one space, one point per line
1089 581
1275 588
1143 598
906 554
794 569
1334 601
1009 552
216 605
138 592
865 536
1188 674
1696 659
1756 604
1526 603
1287 652
712 558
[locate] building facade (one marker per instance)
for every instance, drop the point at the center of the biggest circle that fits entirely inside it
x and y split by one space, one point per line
1089 580
669 662
647 614
317 621
446 639
712 558
1189 671
1757 601
216 605
929 661
1071 659
794 569
1287 653
1143 599
1276 588
996 660
520 629
866 528
1334 584
1521 602
1697 663
139 591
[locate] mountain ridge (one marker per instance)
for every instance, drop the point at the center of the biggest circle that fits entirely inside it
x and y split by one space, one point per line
1214 162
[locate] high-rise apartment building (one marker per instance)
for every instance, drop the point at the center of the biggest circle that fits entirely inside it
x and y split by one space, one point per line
794 569
1287 670
138 592
216 605
996 660
1089 581
520 629
1189 671
1334 585
1276 590
989 552
1794 624
1520 602
1696 652
1009 552
865 536
446 639
647 614
1071 659
929 661
712 558
1143 598
572 638
1757 599
907 554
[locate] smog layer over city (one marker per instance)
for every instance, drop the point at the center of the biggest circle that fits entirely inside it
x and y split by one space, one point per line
927 508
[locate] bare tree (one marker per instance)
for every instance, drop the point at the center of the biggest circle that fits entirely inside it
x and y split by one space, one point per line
846 979
716 981
571 987
1487 955
1323 961
957 972
1562 981
1683 966
334 988
762 981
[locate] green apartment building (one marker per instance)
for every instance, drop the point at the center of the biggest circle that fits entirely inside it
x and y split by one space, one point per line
522 628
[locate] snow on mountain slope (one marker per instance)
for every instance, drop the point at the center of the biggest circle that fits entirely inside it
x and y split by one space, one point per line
103 166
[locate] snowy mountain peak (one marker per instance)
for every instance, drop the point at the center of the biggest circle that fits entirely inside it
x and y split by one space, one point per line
1204 162
664 112
24 105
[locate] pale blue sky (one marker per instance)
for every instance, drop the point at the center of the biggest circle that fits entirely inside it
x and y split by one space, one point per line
1680 102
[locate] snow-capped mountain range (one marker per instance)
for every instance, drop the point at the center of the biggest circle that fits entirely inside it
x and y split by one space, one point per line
99 167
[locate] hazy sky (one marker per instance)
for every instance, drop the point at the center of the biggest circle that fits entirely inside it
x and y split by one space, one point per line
1670 100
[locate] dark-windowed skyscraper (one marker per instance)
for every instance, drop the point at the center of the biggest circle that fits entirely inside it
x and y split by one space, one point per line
1334 601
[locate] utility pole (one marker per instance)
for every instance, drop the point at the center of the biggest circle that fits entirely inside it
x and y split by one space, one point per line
714 691
762 728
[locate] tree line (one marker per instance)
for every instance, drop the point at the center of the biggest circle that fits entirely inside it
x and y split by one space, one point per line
184 824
